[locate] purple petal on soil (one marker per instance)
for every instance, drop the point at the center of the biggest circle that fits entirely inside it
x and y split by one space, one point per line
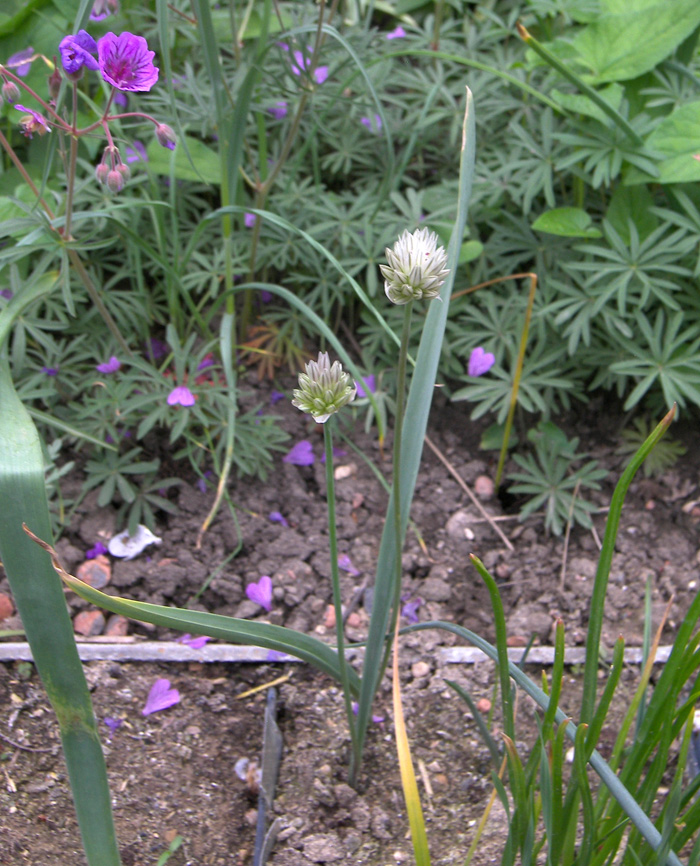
277 517
112 723
193 642
337 452
276 396
274 656
302 454
368 385
345 563
98 550
160 697
410 609
480 362
261 592
376 719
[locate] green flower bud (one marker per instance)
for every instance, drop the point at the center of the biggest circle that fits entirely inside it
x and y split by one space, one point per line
323 389
416 268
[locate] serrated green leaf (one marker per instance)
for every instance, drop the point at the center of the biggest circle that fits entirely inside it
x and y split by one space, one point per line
621 46
568 222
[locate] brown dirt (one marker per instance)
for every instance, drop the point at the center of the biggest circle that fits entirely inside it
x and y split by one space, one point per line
172 772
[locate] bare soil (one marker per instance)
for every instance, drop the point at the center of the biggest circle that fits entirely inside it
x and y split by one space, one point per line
172 773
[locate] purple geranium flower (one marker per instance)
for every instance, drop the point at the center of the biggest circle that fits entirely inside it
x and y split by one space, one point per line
261 592
279 110
397 33
193 642
367 386
302 63
76 51
32 122
21 62
302 454
137 152
98 550
374 124
181 395
345 563
125 62
249 220
277 517
160 697
480 362
110 366
102 8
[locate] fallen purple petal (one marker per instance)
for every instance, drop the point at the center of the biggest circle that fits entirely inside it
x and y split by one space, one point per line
249 220
278 110
275 656
480 362
160 697
98 550
110 366
50 371
112 723
345 563
356 708
410 609
396 33
321 74
302 454
337 452
276 396
261 592
193 642
277 517
181 396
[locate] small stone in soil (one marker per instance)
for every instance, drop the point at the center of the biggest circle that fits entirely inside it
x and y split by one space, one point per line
6 608
95 572
89 623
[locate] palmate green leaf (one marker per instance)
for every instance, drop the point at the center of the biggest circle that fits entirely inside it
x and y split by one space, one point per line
206 160
626 44
568 222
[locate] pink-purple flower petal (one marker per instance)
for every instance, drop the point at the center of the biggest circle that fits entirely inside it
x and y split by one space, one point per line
480 362
182 396
125 61
301 454
261 592
160 697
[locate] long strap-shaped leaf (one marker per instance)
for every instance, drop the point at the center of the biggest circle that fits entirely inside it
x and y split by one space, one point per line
415 424
263 634
42 606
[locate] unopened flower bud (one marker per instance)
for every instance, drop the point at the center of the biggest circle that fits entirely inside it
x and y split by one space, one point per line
101 172
124 171
115 181
323 389
54 83
10 91
165 136
416 268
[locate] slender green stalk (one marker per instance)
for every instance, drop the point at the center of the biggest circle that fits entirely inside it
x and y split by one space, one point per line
337 598
42 607
593 95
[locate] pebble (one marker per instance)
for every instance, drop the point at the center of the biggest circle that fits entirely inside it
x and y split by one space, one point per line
420 669
483 705
89 623
484 487
6 606
117 626
323 848
96 572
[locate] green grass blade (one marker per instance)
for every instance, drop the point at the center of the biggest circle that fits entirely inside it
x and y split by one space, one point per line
42 607
416 420
262 634
600 585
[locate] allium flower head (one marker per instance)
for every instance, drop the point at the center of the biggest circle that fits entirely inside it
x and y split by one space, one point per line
323 388
416 268
76 52
126 62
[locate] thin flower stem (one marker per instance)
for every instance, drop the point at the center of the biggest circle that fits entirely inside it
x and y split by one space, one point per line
9 150
72 159
337 599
